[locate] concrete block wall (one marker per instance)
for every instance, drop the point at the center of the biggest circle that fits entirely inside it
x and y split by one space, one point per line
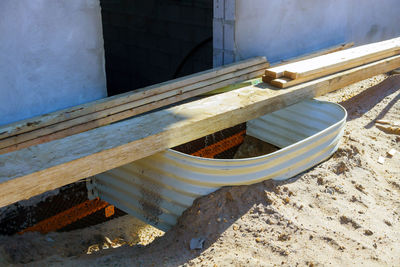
224 32
147 40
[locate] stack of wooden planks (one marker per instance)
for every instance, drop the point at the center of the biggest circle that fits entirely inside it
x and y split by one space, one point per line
47 166
305 70
85 117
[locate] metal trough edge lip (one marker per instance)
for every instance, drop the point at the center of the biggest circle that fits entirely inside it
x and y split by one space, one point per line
280 151
151 188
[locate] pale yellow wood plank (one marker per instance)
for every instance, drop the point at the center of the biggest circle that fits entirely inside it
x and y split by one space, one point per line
277 70
287 82
342 60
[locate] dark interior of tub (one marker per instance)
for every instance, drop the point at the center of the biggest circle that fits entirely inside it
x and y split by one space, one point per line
230 143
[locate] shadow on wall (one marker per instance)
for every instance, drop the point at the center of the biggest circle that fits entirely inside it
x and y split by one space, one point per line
152 41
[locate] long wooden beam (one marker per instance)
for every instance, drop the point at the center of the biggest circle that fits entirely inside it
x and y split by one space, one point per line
337 61
277 70
302 71
111 105
343 60
117 113
284 82
40 168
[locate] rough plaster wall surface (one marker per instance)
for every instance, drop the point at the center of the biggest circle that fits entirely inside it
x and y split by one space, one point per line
373 21
281 29
51 56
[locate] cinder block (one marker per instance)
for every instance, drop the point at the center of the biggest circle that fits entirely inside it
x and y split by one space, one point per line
219 6
229 35
218 34
229 57
230 9
218 57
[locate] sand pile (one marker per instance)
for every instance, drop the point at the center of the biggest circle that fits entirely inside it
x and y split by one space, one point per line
344 211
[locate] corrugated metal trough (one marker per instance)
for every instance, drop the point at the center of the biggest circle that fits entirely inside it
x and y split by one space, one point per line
157 189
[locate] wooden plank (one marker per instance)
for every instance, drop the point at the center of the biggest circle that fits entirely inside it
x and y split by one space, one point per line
326 51
267 79
44 167
342 60
110 102
110 116
284 82
100 118
277 70
287 82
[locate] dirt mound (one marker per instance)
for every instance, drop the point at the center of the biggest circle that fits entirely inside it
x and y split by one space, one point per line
345 211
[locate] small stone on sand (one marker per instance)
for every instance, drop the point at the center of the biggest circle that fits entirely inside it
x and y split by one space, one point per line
392 152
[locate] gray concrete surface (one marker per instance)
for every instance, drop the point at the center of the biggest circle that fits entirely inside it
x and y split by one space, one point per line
51 56
281 29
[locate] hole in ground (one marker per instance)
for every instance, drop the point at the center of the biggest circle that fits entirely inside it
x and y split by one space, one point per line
230 143
93 233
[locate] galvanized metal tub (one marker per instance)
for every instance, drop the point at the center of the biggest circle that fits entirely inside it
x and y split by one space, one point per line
157 189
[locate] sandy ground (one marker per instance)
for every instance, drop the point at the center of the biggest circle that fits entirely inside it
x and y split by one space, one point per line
345 211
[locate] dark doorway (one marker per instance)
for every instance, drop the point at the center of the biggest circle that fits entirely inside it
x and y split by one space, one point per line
151 41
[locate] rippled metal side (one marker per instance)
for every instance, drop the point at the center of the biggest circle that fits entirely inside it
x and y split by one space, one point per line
157 189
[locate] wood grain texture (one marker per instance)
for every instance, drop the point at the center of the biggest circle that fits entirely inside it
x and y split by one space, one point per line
125 110
277 70
342 60
287 82
267 79
85 123
110 102
44 167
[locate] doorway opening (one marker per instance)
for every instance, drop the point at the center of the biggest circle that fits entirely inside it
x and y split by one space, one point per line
152 41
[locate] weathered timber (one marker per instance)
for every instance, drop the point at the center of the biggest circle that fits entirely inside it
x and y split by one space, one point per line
189 82
47 166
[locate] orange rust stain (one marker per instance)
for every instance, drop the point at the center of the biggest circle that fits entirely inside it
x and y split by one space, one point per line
221 146
109 211
88 207
67 217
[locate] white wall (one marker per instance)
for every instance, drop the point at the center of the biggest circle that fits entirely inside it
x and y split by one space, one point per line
281 29
51 56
